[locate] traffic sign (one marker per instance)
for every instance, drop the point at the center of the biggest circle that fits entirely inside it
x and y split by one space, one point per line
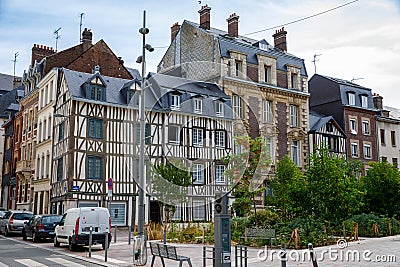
110 184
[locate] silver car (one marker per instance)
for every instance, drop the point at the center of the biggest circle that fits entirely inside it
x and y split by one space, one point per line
13 221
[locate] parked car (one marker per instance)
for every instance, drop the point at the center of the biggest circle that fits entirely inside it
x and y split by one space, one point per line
2 213
13 221
74 227
40 226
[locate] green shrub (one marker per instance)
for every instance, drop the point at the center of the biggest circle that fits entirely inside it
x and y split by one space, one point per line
386 226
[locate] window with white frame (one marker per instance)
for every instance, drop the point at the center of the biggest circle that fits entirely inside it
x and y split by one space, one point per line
199 213
173 134
238 68
294 115
175 102
367 151
198 105
353 126
197 137
294 82
237 106
237 148
270 147
354 150
365 127
267 74
220 139
177 214
364 101
351 97
267 111
219 108
219 174
295 152
197 173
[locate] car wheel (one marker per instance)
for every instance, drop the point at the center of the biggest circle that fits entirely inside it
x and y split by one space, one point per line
24 235
71 245
56 243
34 237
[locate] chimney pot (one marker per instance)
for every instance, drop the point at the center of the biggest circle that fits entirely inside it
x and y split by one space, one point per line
280 39
205 21
174 30
233 25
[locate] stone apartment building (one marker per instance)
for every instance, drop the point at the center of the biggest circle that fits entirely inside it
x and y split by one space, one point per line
352 106
388 130
267 85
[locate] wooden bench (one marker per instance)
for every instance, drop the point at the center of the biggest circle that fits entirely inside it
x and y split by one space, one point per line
168 252
258 233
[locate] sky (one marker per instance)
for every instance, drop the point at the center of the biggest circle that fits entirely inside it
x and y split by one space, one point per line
360 41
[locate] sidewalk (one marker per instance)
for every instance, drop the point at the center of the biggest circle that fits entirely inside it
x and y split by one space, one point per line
375 252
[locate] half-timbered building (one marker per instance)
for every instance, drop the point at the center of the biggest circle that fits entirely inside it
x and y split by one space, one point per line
325 132
96 138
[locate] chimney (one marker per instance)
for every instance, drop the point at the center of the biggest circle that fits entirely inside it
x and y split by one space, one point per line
378 101
233 25
174 30
205 17
87 39
280 39
39 52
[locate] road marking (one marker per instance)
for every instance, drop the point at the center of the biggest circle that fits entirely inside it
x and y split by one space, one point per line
65 262
108 259
30 263
3 265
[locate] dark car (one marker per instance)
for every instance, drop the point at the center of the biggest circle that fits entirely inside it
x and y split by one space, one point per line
40 227
13 221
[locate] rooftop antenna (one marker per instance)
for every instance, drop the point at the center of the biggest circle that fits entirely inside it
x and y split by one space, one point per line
57 36
314 61
355 79
80 27
15 62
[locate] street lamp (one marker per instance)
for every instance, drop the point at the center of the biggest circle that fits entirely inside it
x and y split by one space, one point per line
140 252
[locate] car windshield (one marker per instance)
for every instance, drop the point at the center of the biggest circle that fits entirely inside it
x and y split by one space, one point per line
51 219
22 216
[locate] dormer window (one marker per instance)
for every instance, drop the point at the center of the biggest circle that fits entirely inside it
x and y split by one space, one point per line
267 73
175 102
198 105
294 84
351 97
96 92
364 101
219 108
238 67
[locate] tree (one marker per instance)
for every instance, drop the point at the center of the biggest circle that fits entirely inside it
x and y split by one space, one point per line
247 172
382 186
169 184
290 189
334 191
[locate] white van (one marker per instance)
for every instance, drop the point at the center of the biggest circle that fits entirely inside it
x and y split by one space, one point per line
74 227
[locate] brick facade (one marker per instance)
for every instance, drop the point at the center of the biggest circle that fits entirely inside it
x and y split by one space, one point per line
281 110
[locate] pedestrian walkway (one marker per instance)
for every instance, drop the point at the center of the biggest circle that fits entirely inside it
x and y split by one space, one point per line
375 252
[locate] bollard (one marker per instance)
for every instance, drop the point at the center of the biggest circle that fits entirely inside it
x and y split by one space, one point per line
165 236
129 234
90 240
312 255
115 234
245 257
106 247
283 255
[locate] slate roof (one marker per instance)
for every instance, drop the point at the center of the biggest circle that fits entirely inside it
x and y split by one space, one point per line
251 48
157 97
8 102
318 120
6 82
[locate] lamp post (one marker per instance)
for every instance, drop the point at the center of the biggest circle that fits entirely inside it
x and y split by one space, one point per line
140 253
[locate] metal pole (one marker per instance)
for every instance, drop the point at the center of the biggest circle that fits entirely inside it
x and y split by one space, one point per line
141 212
245 256
90 241
115 234
165 236
283 255
129 234
105 246
312 255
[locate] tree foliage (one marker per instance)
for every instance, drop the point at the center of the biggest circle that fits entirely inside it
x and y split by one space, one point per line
382 186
